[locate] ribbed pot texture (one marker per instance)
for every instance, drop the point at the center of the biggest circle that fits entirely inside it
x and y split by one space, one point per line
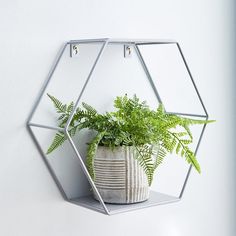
118 176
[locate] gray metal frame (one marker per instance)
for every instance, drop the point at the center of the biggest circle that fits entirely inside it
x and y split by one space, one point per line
156 198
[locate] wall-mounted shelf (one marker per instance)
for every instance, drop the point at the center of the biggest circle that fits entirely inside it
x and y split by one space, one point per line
96 71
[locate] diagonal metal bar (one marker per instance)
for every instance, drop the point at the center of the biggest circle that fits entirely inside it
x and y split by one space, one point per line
194 115
190 168
47 163
46 83
87 173
85 84
70 139
204 108
191 77
147 72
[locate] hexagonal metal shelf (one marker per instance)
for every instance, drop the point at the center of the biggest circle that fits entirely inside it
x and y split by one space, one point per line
128 63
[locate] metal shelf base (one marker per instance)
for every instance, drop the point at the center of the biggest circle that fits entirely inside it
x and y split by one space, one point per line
155 199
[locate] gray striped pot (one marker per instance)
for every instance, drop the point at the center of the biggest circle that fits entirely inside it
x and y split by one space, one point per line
118 176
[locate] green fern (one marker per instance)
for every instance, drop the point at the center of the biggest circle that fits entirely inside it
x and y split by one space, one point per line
185 151
144 157
60 108
91 111
153 134
70 107
91 152
58 140
159 158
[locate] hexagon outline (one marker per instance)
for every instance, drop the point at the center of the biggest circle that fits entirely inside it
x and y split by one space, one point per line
105 42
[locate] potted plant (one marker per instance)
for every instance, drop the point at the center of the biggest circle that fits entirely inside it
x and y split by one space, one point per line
129 144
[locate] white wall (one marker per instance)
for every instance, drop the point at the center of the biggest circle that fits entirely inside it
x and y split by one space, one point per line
31 35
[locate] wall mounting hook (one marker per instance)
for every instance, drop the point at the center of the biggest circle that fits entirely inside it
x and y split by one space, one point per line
127 51
74 50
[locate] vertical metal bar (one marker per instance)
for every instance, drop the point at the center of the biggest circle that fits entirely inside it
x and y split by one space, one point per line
70 139
191 77
147 73
47 164
190 168
46 83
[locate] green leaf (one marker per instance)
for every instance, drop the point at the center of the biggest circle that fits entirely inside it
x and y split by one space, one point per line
190 157
91 152
178 148
89 108
70 107
186 141
60 108
159 157
153 133
58 140
72 131
181 134
61 117
64 108
144 157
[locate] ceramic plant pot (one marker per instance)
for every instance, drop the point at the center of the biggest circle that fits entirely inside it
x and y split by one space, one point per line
118 176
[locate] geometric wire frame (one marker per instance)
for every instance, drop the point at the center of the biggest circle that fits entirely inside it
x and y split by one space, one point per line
156 198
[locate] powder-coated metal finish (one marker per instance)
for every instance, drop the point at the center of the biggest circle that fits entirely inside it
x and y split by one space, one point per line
87 201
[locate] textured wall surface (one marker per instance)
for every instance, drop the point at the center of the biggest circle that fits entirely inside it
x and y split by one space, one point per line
32 33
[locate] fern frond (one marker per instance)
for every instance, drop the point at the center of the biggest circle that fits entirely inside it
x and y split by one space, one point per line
61 116
167 142
180 134
132 124
186 141
58 140
63 121
144 157
70 107
173 123
159 157
91 152
191 159
186 127
178 148
89 109
60 108
173 144
160 110
196 122
64 108
72 131
186 152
